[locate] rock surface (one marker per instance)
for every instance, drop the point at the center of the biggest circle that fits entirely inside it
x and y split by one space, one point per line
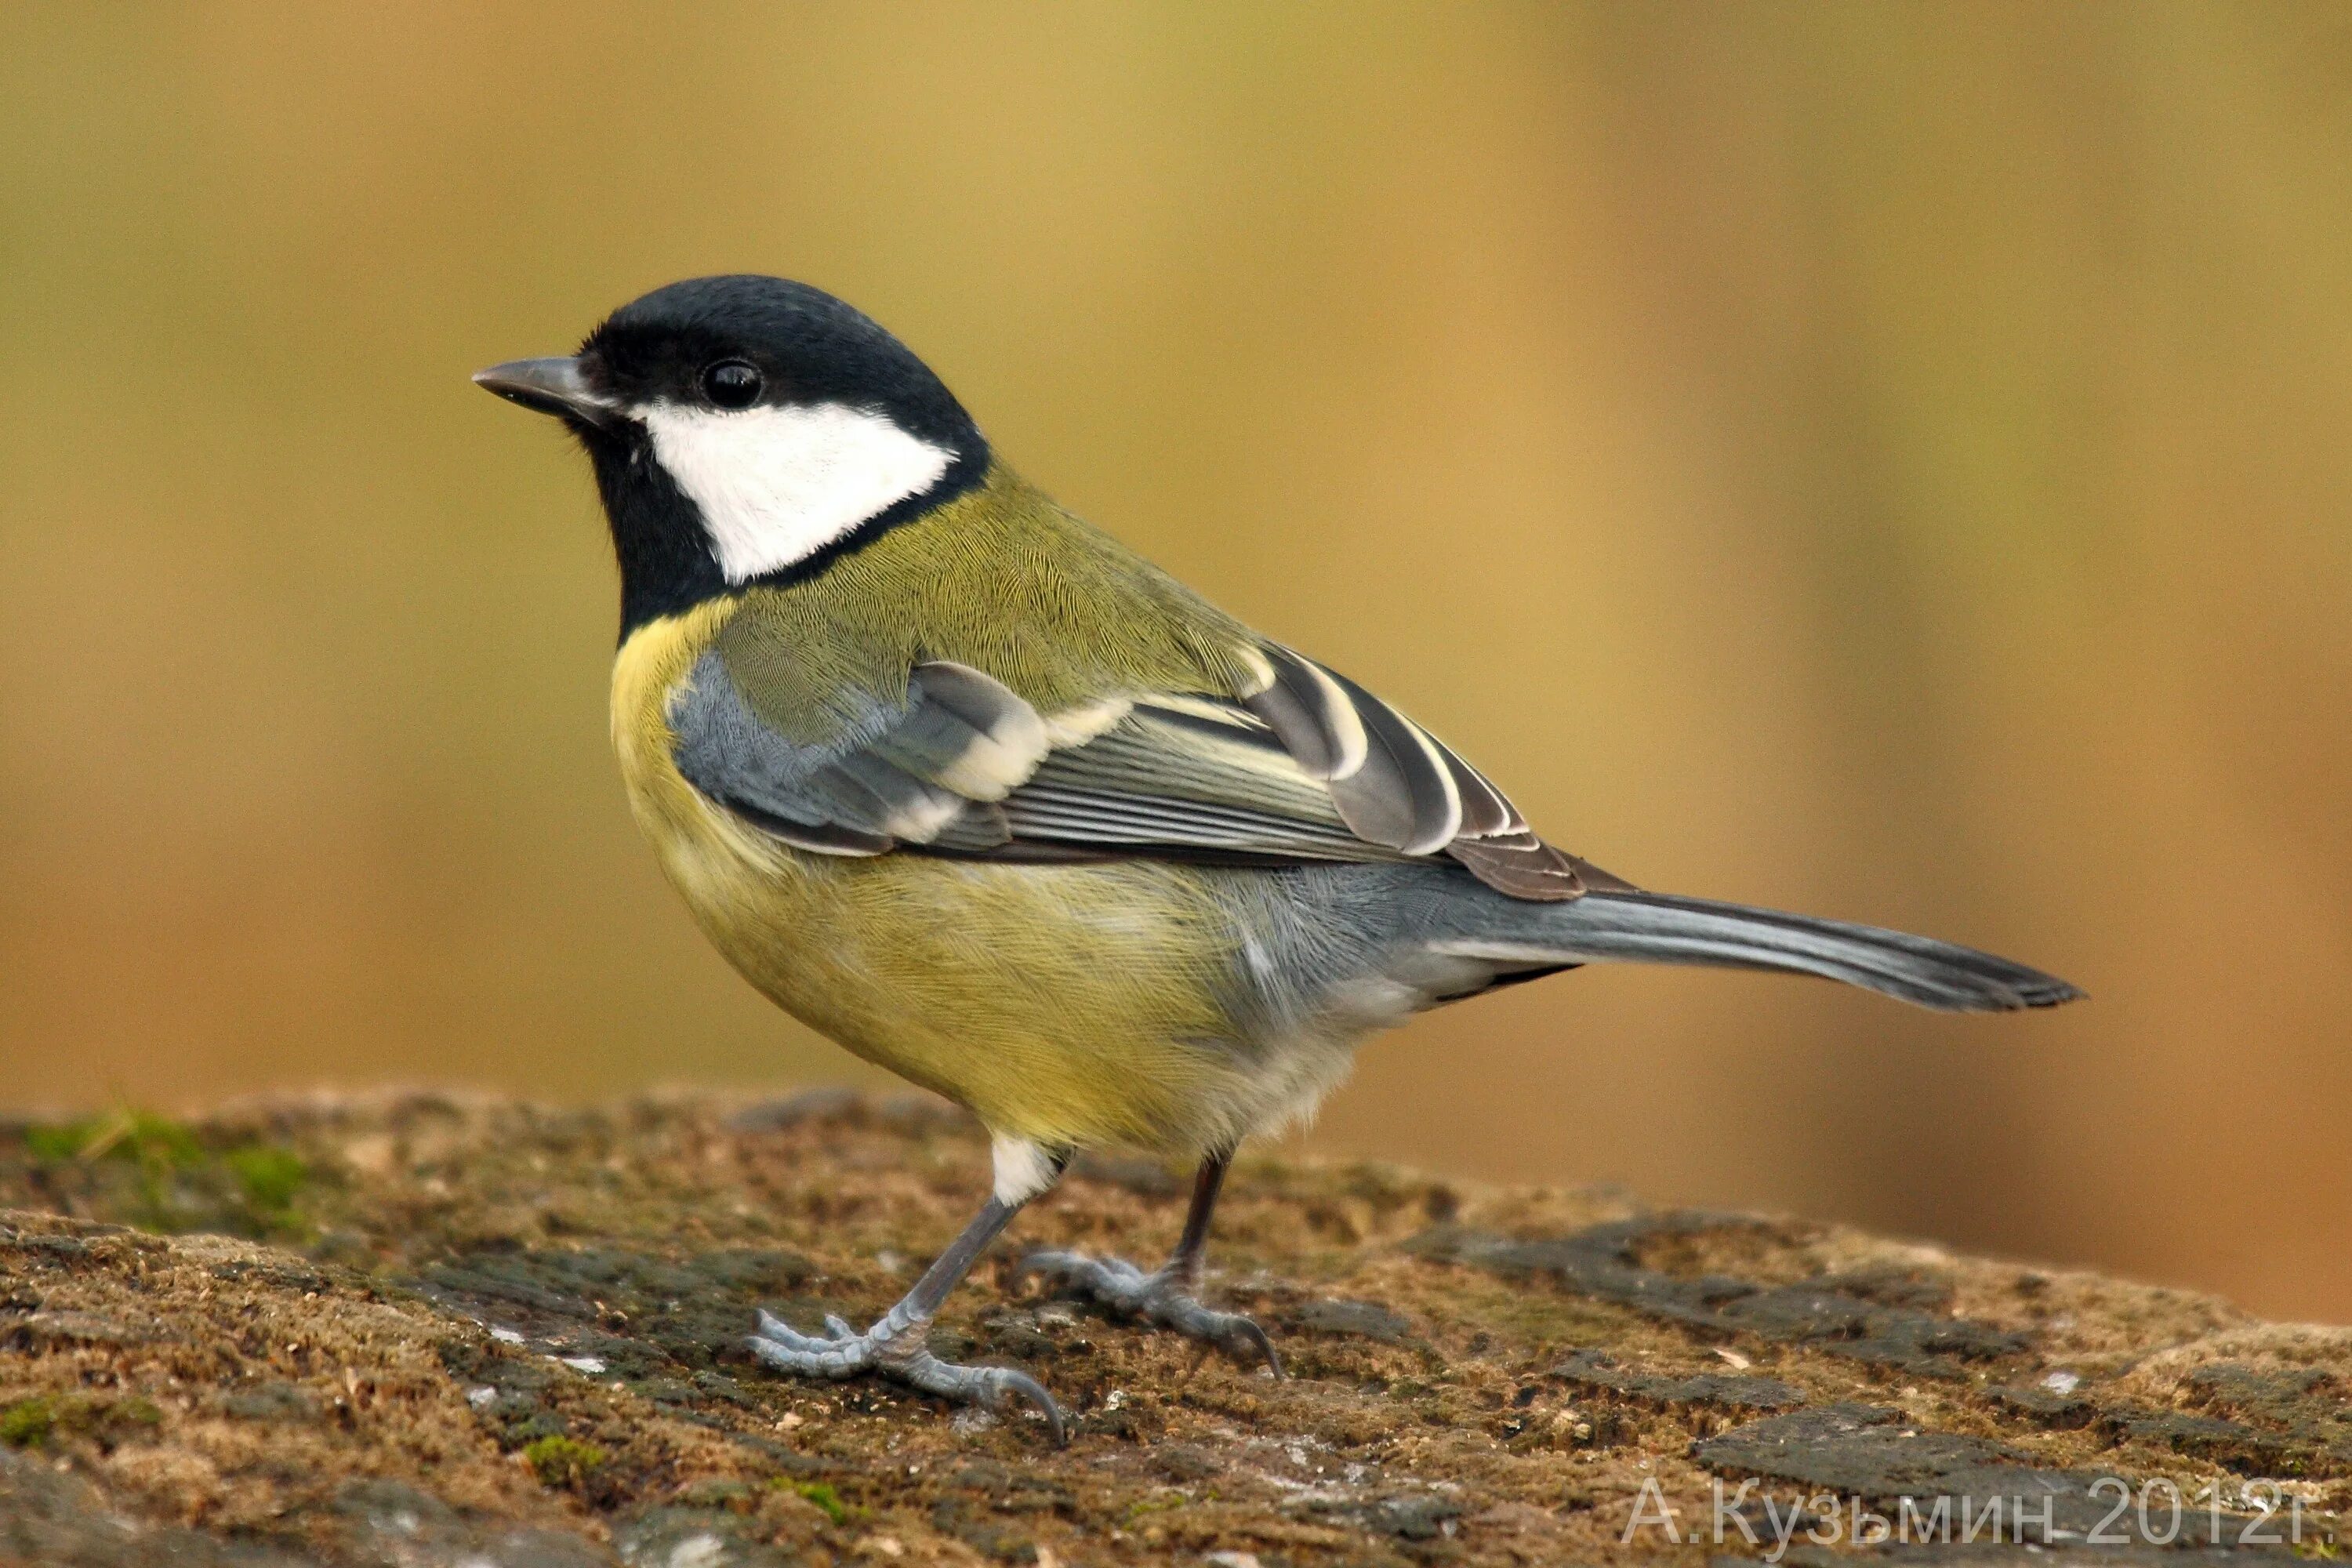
425 1329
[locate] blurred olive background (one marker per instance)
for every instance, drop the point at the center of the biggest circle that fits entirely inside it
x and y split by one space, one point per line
1892 461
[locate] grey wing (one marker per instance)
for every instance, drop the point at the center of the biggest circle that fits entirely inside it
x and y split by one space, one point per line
964 766
933 763
1314 768
1394 783
1188 775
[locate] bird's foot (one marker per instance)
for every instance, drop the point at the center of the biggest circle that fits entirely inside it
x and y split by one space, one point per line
894 1349
1162 1297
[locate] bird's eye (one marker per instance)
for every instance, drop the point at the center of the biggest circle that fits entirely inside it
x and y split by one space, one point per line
732 383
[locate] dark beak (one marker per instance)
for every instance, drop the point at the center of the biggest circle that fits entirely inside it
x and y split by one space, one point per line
554 386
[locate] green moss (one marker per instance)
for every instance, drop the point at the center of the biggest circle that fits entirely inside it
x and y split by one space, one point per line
27 1424
828 1500
161 1174
54 1143
155 1150
137 1412
270 1178
1143 1507
561 1461
143 1138
39 1421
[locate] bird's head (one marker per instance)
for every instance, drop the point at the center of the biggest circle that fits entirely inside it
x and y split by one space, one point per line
745 427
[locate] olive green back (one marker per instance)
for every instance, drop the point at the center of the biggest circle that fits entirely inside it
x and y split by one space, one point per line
1000 578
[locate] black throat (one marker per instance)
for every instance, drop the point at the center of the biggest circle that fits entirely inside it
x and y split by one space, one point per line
666 566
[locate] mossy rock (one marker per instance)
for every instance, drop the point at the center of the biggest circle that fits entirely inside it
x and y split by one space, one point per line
430 1329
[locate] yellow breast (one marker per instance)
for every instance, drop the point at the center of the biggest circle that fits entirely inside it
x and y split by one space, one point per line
1069 1005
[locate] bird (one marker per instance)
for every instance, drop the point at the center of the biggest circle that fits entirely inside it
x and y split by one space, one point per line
975 790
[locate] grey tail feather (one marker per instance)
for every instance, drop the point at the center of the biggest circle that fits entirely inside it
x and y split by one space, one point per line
1659 928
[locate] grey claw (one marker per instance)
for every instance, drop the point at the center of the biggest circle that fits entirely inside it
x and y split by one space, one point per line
777 1334
895 1349
1027 1388
1157 1298
1229 1331
1257 1339
987 1386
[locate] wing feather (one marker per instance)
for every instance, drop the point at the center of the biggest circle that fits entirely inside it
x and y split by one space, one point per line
1312 767
1012 737
1410 791
1404 795
1317 720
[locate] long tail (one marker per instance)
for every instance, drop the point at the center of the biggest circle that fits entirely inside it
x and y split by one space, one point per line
1659 928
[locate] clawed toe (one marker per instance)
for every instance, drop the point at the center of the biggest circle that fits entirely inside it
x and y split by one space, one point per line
989 1387
1243 1337
900 1356
893 1346
1156 1298
1113 1281
786 1349
780 1345
1230 1332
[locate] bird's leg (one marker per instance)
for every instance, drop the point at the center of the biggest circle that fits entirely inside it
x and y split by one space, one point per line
1166 1294
894 1347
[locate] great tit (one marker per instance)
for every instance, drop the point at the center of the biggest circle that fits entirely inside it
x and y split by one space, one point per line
971 789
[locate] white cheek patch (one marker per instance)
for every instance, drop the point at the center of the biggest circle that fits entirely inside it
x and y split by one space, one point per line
777 484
